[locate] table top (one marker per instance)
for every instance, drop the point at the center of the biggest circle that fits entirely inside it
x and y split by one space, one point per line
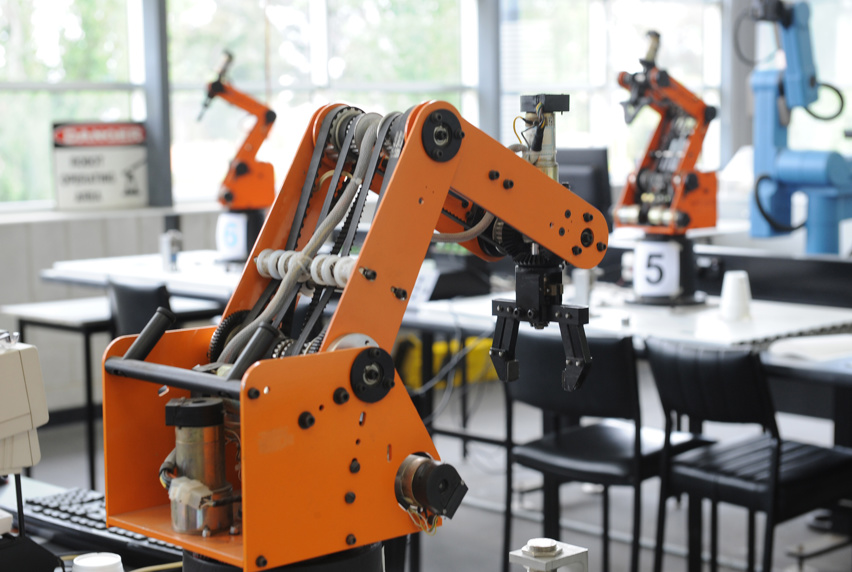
95 312
199 273
612 313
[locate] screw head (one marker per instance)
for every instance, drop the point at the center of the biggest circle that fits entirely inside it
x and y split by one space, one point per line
350 539
306 420
349 497
587 217
354 466
260 561
508 184
340 396
577 250
493 175
253 393
601 247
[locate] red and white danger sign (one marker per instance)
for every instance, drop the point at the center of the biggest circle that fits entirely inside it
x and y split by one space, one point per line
100 165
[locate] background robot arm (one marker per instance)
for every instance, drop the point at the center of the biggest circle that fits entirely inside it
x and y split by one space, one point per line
667 195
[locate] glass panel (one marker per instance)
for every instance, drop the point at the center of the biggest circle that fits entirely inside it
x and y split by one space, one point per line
201 151
26 144
544 42
200 30
681 26
68 40
391 41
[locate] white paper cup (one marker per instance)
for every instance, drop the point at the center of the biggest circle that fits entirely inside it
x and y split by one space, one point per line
98 562
736 296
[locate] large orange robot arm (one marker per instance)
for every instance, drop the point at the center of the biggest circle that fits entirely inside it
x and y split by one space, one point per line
332 453
666 195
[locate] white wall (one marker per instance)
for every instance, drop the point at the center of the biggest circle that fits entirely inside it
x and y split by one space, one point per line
30 242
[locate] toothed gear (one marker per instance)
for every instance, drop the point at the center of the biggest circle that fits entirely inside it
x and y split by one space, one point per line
280 349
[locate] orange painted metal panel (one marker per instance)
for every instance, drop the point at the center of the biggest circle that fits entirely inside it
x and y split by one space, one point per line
295 480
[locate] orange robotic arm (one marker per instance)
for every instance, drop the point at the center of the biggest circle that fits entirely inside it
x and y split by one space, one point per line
666 195
249 183
332 453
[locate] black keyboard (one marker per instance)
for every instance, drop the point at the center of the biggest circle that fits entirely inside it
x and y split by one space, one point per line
77 518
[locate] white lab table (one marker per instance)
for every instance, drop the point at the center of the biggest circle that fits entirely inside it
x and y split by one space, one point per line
199 273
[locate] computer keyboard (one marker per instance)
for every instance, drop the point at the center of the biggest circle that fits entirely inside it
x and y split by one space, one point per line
77 518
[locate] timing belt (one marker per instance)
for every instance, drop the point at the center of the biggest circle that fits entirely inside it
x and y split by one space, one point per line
349 231
299 217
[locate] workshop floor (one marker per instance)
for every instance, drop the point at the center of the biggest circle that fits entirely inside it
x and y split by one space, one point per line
472 540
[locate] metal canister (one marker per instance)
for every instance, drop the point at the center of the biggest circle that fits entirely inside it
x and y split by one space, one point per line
200 457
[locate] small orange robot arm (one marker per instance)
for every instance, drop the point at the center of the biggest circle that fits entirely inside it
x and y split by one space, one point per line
249 183
666 195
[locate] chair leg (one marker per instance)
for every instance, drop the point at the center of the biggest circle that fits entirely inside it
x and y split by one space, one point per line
750 562
661 526
507 515
605 538
694 526
551 508
714 536
637 527
768 541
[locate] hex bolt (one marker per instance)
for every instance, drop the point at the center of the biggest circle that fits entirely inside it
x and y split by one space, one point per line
508 184
493 175
253 393
261 561
340 396
354 466
306 420
349 498
350 539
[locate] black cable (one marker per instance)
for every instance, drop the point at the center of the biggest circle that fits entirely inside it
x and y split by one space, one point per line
779 226
839 109
738 49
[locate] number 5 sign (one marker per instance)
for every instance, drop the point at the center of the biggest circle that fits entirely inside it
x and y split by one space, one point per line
656 268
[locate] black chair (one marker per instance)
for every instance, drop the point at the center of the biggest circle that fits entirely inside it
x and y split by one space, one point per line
609 452
763 473
133 303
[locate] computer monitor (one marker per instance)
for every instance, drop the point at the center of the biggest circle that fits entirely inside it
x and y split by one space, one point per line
587 173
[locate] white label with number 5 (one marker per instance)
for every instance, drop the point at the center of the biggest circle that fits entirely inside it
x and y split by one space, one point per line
656 268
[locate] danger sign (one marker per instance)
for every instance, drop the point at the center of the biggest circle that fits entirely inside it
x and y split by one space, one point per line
100 165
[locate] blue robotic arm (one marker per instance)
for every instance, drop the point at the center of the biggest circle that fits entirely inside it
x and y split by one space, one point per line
779 171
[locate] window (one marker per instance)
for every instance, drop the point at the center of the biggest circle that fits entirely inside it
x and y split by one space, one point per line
579 47
831 37
380 55
60 60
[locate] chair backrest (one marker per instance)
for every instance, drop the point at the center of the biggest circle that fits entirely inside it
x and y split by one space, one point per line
610 389
133 303
711 383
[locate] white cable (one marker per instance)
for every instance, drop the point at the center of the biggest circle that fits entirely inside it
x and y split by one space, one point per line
302 259
466 235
